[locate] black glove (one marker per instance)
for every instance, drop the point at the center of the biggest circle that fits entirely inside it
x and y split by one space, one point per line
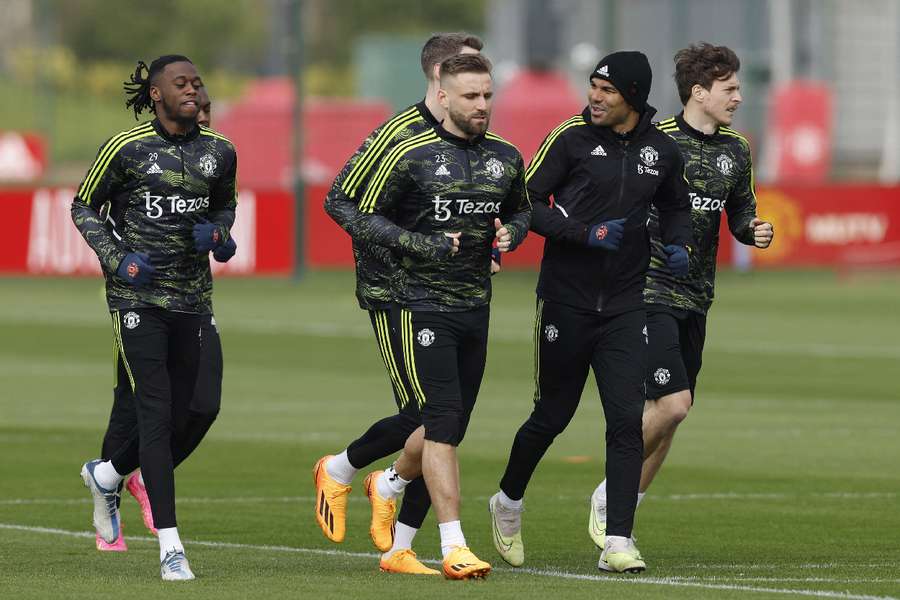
208 236
136 269
607 235
224 252
677 259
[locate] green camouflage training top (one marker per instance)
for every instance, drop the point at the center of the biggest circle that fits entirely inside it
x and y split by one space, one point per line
434 183
719 173
144 193
374 263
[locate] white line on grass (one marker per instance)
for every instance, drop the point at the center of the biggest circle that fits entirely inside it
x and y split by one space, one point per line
661 581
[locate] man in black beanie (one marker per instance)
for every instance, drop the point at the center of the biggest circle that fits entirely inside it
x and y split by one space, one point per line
591 183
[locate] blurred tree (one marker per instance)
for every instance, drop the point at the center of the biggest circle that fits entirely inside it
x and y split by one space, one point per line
333 28
211 32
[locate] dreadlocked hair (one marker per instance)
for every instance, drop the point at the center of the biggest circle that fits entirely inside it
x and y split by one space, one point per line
138 87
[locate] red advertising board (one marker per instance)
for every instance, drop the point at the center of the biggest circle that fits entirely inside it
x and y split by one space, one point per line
836 226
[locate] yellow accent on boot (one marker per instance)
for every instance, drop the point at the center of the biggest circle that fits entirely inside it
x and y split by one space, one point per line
405 561
621 558
462 564
383 510
510 548
331 502
596 527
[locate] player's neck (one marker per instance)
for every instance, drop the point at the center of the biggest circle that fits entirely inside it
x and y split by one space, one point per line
432 102
696 117
174 127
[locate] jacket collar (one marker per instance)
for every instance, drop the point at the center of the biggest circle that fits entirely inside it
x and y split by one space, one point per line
426 114
685 128
456 140
175 139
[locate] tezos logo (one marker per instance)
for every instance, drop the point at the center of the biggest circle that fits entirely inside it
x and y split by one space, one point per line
464 206
662 376
725 164
706 204
207 164
649 155
425 337
495 168
551 333
131 320
157 205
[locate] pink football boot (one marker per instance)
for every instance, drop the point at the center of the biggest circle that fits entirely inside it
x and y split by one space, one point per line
137 489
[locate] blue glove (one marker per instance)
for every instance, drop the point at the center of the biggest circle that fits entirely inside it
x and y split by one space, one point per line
677 260
607 235
224 252
136 269
208 236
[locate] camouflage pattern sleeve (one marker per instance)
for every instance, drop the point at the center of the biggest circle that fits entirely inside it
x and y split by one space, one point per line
372 227
223 197
338 203
99 185
547 171
741 205
516 213
673 205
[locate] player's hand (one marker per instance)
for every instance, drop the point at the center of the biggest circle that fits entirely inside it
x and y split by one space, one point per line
224 252
504 237
607 235
208 236
136 269
763 232
496 259
454 242
677 259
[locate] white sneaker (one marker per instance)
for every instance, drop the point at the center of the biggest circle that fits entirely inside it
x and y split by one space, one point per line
175 567
597 520
106 504
506 525
620 555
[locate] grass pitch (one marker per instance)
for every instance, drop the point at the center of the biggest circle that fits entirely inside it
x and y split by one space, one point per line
783 481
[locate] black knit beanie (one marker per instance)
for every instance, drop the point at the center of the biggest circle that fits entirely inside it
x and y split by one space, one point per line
630 72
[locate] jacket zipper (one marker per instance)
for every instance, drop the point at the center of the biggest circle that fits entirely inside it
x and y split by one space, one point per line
468 167
181 154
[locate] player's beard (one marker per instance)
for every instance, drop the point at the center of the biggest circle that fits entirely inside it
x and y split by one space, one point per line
172 113
466 126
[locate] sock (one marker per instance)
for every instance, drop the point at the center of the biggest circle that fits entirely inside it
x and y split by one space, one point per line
600 492
640 497
389 484
340 469
616 543
168 541
451 537
403 538
508 502
106 475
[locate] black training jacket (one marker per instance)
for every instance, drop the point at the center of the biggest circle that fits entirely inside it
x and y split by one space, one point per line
584 174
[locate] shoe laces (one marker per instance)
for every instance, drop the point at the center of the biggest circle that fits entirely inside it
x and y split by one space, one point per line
175 561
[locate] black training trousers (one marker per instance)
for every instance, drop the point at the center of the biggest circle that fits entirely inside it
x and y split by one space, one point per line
121 442
568 342
160 351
